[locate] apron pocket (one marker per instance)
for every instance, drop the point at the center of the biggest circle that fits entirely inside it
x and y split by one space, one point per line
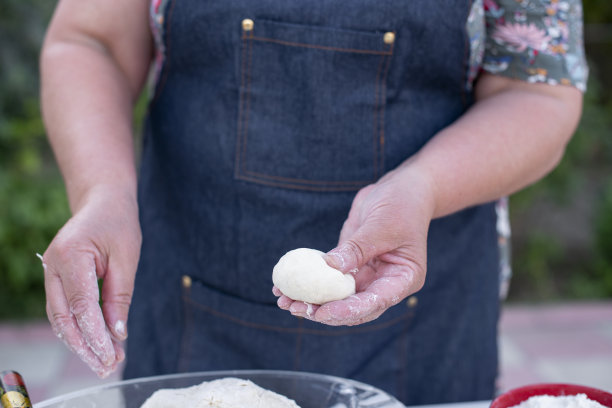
311 106
223 332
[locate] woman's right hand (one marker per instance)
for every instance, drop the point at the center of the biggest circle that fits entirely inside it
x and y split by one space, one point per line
101 241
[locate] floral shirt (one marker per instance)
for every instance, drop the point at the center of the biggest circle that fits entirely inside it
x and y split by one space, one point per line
530 40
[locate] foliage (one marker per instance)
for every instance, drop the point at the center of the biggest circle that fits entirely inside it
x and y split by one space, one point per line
597 11
546 268
32 199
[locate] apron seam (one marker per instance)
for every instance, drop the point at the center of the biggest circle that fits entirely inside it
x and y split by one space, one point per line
243 94
382 112
402 356
182 365
298 344
321 47
295 330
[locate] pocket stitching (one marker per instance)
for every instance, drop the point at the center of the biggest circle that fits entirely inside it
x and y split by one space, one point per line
321 47
242 173
381 116
261 326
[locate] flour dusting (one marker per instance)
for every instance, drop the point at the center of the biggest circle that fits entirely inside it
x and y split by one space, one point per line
565 401
223 393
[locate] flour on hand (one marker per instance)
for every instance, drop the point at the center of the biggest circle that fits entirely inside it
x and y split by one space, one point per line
223 393
303 274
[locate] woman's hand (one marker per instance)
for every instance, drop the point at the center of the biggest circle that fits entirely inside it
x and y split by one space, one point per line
94 62
101 241
384 244
514 135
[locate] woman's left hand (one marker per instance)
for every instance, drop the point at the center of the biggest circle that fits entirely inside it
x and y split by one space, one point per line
384 244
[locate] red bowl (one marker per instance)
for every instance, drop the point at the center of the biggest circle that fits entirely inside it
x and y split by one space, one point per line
518 395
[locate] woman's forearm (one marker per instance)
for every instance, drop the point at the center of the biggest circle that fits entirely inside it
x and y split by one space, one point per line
88 88
87 112
514 135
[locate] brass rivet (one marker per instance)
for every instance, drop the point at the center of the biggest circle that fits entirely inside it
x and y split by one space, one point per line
160 20
412 301
186 281
389 37
247 24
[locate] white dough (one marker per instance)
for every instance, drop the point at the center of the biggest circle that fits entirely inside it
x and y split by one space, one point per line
223 393
303 274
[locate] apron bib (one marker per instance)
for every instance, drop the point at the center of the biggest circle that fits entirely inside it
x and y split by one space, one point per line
266 119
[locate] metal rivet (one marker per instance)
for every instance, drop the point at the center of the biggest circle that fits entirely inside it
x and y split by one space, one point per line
389 37
160 20
186 281
247 24
412 301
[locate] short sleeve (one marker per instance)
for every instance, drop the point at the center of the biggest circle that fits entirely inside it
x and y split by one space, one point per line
536 41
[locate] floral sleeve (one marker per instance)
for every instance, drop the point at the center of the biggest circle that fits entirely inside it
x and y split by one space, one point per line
536 41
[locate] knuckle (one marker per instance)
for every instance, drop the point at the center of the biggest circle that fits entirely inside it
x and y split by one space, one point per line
123 299
79 304
355 249
61 320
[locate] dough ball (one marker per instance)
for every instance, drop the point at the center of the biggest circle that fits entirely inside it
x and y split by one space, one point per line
223 393
303 274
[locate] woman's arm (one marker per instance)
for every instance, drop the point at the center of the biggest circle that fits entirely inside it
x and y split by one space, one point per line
514 134
94 62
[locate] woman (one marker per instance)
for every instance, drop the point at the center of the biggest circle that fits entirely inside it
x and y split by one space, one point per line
266 118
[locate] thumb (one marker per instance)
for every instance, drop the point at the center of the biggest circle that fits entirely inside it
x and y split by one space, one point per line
116 297
368 241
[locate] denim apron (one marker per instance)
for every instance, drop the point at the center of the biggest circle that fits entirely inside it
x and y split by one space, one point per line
267 117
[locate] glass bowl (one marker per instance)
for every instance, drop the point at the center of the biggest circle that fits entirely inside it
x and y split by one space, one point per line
308 390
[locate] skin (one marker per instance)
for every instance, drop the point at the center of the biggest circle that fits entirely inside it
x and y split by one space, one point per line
512 136
94 63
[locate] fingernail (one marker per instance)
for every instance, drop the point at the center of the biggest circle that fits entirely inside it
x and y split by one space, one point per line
334 259
323 315
120 356
120 329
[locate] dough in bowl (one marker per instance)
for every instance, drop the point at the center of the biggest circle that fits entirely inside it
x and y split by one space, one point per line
302 274
223 393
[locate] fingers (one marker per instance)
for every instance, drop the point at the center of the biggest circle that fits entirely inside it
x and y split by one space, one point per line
116 298
366 243
370 304
74 313
66 328
296 307
396 283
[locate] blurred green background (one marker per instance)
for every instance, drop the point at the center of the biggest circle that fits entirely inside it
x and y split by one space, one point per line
562 226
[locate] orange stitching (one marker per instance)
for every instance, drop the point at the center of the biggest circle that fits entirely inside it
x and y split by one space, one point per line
262 326
320 47
304 181
162 82
402 352
375 124
243 174
248 104
240 104
300 187
298 345
382 113
186 338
